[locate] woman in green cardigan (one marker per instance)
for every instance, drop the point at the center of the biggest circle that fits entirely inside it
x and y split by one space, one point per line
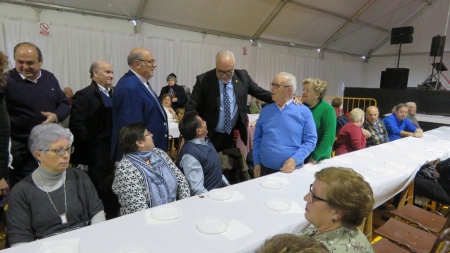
324 117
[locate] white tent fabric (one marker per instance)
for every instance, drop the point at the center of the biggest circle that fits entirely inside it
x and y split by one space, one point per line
69 52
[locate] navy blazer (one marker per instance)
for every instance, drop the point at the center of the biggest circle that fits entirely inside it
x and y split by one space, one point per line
205 99
132 102
180 94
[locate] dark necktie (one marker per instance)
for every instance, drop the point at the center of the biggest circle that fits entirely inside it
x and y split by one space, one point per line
157 100
226 105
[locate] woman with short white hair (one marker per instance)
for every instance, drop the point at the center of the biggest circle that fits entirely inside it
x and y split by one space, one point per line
53 199
351 137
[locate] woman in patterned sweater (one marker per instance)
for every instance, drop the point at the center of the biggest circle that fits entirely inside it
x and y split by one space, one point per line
146 176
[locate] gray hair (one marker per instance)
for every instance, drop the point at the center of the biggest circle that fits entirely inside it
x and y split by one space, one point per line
225 52
133 57
43 135
94 65
356 115
291 80
410 103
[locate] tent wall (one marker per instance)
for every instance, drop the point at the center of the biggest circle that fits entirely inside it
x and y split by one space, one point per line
78 40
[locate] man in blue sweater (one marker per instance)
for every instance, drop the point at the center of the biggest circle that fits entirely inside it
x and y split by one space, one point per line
198 158
285 134
398 126
33 97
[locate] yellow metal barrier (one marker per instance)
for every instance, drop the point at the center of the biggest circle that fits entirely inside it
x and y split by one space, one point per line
349 103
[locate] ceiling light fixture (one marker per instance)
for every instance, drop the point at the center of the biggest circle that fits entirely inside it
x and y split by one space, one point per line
133 22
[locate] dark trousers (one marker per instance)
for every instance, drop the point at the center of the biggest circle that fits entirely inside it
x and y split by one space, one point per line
100 166
431 189
23 161
222 141
267 171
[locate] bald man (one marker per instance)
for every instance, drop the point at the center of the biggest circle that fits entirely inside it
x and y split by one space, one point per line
377 133
33 97
209 102
134 100
91 123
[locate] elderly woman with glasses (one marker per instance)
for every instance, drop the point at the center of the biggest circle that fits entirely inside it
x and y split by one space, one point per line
52 199
146 176
337 203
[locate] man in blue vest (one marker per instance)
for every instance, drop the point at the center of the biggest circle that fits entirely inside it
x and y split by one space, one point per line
198 158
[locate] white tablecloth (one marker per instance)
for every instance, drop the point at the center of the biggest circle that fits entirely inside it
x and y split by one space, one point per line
173 129
433 118
398 161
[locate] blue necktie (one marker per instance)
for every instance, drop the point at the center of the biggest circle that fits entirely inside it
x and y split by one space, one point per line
171 91
226 105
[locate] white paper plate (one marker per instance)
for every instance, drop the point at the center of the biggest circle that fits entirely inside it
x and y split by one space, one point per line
271 184
59 249
166 213
212 226
378 170
133 250
277 205
220 194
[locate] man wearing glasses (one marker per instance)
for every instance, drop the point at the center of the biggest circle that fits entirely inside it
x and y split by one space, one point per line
134 100
285 133
220 98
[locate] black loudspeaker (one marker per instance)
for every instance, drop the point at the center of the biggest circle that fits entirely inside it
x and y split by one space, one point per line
437 46
394 78
402 35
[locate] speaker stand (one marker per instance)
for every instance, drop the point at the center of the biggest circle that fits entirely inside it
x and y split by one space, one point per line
432 82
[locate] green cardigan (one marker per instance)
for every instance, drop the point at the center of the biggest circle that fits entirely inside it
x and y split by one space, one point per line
325 119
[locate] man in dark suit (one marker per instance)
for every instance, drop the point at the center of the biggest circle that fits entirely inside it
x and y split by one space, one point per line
91 123
134 100
209 102
177 92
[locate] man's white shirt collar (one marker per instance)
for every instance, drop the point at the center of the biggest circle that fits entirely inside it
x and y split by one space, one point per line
34 81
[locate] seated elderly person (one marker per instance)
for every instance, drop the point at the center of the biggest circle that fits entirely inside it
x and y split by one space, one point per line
146 176
412 108
399 126
336 204
167 105
337 103
289 243
351 137
52 199
198 158
285 133
374 128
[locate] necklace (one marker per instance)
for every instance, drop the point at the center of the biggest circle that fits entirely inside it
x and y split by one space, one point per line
62 217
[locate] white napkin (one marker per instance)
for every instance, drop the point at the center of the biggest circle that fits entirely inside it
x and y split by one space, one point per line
295 208
236 230
60 246
281 179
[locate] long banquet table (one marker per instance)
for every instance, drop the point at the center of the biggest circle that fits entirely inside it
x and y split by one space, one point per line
389 168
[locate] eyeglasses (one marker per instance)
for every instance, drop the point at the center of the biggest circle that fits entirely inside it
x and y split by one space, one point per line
277 86
312 196
150 62
145 135
62 151
221 72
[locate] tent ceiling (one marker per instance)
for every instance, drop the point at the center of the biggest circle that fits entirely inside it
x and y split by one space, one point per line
354 27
